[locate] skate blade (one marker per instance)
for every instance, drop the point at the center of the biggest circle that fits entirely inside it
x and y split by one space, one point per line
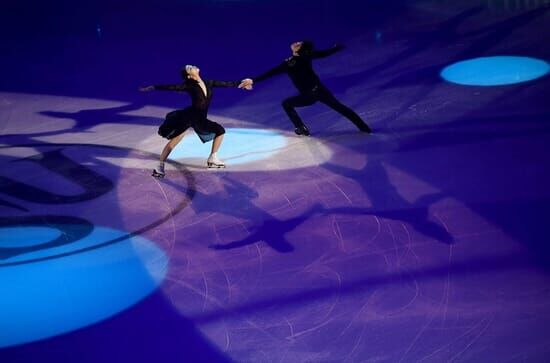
157 175
214 166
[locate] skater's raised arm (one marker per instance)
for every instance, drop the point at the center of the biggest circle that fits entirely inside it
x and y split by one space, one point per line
281 68
326 52
215 83
248 82
165 87
170 87
147 88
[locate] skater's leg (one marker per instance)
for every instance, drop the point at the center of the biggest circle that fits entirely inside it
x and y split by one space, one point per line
289 106
217 143
326 97
170 145
213 160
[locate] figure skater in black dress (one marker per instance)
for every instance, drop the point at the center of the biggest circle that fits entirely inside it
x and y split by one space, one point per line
311 90
194 116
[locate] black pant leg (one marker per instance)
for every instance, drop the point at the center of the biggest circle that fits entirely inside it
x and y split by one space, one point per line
297 101
326 97
207 130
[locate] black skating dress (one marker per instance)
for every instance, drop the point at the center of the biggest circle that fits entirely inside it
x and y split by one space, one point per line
195 116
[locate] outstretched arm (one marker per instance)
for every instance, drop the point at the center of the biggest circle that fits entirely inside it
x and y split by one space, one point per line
327 52
214 83
239 84
281 68
165 87
248 82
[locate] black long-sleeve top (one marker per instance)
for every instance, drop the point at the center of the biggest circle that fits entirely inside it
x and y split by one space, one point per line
199 101
300 70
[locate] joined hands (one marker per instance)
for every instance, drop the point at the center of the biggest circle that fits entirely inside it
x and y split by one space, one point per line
246 84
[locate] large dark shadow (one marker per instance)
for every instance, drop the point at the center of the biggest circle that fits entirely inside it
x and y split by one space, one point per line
236 200
388 203
87 119
272 232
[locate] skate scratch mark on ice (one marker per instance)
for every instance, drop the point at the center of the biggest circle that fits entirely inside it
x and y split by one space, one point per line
356 316
263 330
291 328
169 210
386 260
442 222
395 247
327 314
217 234
409 242
227 340
261 259
306 331
196 291
442 305
170 297
310 267
447 286
355 256
413 299
220 305
418 335
206 297
228 283
283 207
287 200
378 229
447 345
200 220
317 187
490 320
339 279
338 233
256 247
341 191
355 346
385 253
243 226
320 176
342 259
187 261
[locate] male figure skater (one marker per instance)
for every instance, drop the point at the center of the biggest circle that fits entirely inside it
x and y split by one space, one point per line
300 70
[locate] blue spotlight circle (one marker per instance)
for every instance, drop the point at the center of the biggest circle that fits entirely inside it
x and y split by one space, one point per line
55 296
240 146
495 71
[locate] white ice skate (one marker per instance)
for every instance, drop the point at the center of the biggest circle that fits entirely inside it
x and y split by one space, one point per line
158 172
214 163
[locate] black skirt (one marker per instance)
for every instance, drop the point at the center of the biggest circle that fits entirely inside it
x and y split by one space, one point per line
178 121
